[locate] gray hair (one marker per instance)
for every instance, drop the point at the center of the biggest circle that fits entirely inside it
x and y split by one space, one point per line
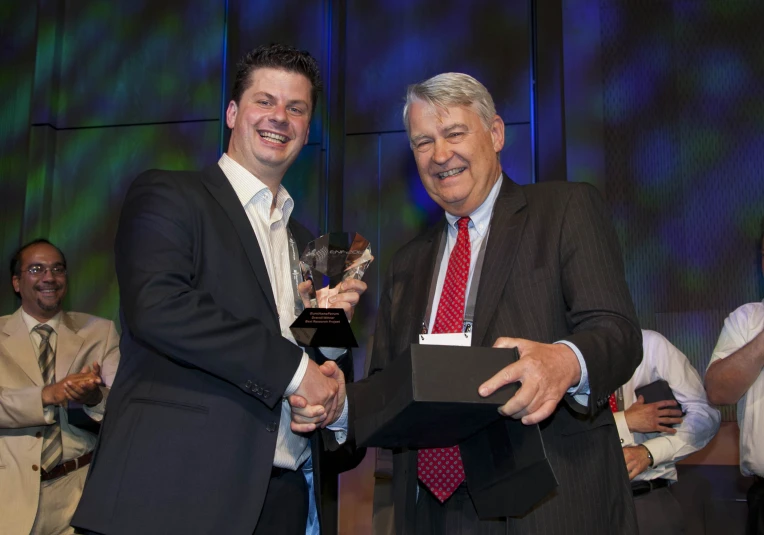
452 89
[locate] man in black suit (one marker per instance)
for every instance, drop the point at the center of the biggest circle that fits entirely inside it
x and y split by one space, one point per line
197 437
551 284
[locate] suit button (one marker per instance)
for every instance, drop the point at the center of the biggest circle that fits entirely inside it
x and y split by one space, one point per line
266 394
271 427
35 467
248 384
38 435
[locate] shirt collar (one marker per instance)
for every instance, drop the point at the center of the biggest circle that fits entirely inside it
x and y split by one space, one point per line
481 217
247 186
31 323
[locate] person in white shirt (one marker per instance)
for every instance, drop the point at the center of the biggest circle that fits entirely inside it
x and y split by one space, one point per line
736 375
656 435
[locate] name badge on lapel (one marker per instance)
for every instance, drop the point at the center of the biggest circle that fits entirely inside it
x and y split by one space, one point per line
446 339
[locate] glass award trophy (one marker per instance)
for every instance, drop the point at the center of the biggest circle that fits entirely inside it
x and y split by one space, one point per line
326 262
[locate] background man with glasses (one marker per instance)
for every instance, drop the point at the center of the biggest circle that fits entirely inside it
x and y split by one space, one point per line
48 358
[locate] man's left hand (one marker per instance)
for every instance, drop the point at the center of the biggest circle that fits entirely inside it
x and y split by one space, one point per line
637 460
546 372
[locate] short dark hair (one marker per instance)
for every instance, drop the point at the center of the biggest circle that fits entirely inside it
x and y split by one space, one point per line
16 258
277 56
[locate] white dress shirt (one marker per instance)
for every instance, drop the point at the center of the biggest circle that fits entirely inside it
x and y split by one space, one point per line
479 226
741 327
662 360
270 227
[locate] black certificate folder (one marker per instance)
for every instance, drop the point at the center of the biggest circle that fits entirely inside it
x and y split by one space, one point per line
507 469
428 397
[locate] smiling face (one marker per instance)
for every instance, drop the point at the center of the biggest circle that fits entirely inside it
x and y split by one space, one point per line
271 123
455 154
41 294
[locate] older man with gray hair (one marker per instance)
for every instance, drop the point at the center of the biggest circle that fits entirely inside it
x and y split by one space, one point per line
551 283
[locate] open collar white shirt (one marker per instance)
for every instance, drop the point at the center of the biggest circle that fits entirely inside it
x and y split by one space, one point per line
270 227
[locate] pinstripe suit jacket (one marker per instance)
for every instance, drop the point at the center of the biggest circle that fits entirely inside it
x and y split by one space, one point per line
552 271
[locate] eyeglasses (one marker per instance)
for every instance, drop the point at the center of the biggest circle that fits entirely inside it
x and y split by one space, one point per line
37 269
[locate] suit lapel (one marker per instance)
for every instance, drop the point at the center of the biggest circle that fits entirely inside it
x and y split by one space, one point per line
417 291
217 184
67 347
507 226
18 346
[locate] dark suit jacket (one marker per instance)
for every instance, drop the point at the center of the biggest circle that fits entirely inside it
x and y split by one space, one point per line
552 271
188 441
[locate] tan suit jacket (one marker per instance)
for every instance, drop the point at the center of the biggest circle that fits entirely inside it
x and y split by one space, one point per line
82 340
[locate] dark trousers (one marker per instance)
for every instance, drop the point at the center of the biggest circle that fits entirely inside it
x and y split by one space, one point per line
659 513
755 498
285 510
457 516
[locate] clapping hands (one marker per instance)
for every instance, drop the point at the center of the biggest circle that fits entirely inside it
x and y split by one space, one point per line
80 387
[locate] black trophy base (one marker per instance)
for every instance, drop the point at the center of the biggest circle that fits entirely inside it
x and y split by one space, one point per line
323 327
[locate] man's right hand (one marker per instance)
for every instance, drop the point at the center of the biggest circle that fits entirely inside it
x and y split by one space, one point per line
644 417
315 400
331 370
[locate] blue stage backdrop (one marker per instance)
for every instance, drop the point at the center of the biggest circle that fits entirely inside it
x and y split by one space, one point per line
662 109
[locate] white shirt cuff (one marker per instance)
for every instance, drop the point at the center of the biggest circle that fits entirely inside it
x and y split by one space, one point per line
49 413
298 376
627 437
94 412
332 353
581 391
340 425
661 449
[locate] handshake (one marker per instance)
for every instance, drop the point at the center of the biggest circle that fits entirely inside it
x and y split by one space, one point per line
320 398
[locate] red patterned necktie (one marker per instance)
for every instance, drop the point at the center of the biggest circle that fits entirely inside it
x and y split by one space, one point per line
613 403
441 469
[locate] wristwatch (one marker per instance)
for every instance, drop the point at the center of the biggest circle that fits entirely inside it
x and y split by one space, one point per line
649 456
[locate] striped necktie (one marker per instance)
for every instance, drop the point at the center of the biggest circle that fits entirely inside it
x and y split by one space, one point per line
52 447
